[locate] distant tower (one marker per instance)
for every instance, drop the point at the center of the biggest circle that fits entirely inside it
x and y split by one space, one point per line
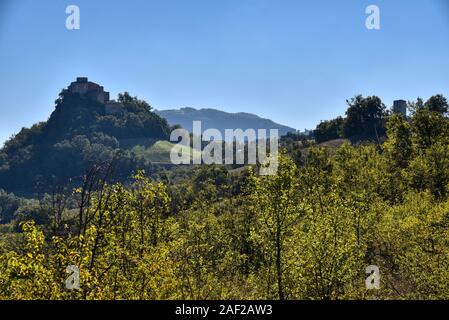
400 106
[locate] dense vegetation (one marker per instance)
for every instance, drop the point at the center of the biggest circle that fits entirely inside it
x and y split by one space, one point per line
77 135
366 118
308 232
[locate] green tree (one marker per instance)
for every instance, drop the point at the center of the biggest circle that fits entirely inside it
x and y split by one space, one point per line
437 103
329 130
365 118
273 200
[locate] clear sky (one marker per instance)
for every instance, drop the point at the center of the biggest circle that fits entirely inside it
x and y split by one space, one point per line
295 62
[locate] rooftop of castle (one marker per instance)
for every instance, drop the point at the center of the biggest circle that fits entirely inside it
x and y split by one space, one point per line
84 87
95 92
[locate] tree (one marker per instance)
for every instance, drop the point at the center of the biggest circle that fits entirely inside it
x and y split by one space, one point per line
415 106
365 118
329 130
399 145
273 200
427 128
414 249
9 204
25 274
429 171
437 103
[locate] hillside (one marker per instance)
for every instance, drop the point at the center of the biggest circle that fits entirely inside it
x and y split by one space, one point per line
212 118
85 128
159 152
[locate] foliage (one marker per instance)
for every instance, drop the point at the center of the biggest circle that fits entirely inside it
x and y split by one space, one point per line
329 130
77 135
365 118
212 232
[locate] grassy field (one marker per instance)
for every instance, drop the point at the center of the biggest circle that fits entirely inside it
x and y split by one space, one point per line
160 151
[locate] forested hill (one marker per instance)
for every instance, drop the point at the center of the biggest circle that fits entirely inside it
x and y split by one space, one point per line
212 118
79 132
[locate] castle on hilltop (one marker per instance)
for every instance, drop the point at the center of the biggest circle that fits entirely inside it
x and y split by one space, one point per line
95 92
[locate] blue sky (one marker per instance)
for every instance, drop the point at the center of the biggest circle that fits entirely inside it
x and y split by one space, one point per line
295 62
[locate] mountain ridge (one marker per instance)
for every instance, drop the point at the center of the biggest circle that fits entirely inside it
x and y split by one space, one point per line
221 120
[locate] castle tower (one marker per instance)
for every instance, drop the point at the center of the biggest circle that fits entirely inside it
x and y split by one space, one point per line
400 106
